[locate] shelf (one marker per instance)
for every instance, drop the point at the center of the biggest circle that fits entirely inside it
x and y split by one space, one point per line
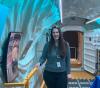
89 48
90 51
90 57
90 60
91 66
89 54
89 42
89 69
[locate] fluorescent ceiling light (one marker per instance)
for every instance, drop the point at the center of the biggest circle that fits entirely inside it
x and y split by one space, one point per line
94 20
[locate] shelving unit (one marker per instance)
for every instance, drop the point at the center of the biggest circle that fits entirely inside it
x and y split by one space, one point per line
91 53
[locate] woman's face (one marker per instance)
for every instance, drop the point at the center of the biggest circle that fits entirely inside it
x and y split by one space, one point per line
55 34
16 42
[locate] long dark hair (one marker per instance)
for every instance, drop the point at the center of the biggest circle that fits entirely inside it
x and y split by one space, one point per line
62 44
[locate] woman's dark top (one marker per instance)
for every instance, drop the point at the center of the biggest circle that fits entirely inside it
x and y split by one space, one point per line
54 62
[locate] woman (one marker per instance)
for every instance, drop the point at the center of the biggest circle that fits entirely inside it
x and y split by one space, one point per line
12 62
56 53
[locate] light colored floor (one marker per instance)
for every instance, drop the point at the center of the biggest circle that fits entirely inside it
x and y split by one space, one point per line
79 74
82 75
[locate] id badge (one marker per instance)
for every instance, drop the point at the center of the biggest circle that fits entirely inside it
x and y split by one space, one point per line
58 64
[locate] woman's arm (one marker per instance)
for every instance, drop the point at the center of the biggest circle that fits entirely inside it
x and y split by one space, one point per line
67 59
44 54
69 76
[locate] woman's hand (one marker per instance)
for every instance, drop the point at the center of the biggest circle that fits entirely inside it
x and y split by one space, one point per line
69 76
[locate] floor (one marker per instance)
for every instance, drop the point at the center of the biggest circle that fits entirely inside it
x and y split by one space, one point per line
80 83
82 75
81 79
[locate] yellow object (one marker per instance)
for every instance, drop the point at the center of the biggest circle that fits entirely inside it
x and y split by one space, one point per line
25 83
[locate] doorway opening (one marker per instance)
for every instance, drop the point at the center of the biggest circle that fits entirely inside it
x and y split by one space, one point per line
75 40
